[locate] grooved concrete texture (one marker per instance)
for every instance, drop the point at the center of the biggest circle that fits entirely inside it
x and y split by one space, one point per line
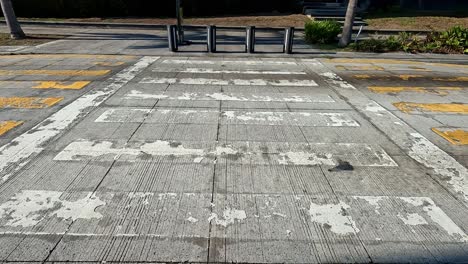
255 167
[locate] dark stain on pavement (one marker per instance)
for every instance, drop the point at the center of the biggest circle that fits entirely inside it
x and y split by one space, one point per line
175 144
342 166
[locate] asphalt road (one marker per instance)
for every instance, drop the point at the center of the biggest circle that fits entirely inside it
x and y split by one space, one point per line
219 159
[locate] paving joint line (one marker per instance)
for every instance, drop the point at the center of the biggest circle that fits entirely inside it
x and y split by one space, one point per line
214 182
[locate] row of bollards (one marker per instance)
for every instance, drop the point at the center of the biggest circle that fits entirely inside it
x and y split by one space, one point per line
249 39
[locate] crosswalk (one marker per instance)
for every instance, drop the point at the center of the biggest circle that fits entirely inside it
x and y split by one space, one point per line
224 157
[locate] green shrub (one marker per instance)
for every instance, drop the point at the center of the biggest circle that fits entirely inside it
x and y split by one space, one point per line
322 32
454 40
378 45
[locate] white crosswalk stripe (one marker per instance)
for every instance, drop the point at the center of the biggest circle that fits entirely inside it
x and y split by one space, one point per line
272 97
235 62
249 82
329 154
213 71
133 115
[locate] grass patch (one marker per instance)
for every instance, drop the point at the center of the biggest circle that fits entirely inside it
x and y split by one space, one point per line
30 40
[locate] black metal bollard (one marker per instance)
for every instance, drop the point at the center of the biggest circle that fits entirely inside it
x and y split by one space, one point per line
289 40
250 39
211 38
172 38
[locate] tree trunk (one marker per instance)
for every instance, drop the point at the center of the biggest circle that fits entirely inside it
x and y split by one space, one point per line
349 22
15 29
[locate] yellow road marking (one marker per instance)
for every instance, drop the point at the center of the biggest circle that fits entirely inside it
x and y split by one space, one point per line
455 79
61 56
456 137
390 61
443 108
385 61
404 77
62 86
359 68
28 102
110 64
6 126
55 72
400 89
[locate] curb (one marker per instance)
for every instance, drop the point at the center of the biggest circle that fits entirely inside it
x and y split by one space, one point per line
133 25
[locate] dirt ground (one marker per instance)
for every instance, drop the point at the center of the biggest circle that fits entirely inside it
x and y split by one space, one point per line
296 20
417 23
253 20
30 40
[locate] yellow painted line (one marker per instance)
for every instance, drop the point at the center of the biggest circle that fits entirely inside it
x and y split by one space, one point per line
6 126
456 137
62 86
55 72
454 79
400 89
404 77
62 56
359 68
390 61
371 61
442 108
28 102
109 64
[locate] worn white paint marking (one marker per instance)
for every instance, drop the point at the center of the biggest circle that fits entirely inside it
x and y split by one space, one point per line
123 115
413 219
372 200
213 71
192 219
92 149
305 154
427 153
229 217
377 109
277 97
407 215
135 115
336 80
305 158
331 154
214 62
28 208
438 216
333 217
451 173
83 235
291 118
240 82
16 153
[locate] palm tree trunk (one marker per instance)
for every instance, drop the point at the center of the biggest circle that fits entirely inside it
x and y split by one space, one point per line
15 29
349 22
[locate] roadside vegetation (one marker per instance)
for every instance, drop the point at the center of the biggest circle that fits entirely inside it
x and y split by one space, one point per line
322 32
452 41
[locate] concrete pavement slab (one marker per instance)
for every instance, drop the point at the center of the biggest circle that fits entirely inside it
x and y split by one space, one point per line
240 176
